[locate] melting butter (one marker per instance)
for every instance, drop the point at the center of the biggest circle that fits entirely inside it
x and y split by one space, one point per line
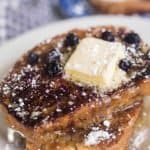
95 63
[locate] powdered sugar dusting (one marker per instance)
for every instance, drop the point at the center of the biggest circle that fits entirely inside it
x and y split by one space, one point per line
106 123
97 136
33 97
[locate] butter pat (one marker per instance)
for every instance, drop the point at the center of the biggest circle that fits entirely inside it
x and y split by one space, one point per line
95 63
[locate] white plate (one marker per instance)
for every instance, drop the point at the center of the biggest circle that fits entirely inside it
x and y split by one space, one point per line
12 50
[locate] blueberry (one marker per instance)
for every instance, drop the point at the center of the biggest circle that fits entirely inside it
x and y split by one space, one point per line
132 38
53 56
108 36
125 65
71 40
53 68
33 58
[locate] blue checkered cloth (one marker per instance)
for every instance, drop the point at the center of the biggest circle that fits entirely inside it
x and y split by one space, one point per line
18 16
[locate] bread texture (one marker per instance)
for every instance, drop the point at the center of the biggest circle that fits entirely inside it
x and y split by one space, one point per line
123 7
120 131
55 113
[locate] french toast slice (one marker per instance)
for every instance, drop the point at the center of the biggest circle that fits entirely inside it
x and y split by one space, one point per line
39 100
123 7
111 134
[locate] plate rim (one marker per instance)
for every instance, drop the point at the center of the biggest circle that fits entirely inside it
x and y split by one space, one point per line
65 21
37 35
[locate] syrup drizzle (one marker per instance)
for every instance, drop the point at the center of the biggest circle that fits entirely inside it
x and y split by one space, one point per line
33 97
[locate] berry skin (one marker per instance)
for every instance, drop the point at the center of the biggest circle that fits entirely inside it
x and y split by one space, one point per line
108 36
125 65
53 68
33 58
132 38
53 56
71 40
53 63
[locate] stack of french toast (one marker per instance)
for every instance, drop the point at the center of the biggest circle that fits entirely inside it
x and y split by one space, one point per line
82 90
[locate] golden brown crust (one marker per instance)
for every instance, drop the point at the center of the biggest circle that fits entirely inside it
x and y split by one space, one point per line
63 89
123 120
89 110
127 7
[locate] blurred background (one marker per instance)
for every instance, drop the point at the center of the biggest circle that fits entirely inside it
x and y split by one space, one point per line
19 16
